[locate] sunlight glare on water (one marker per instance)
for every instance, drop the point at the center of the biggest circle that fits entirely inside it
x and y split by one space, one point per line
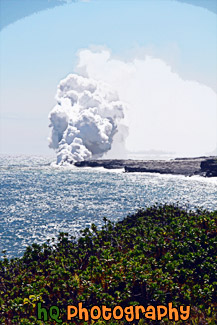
38 201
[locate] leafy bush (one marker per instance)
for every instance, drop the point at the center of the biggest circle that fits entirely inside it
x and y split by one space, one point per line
158 255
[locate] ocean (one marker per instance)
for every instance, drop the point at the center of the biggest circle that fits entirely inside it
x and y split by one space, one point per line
39 200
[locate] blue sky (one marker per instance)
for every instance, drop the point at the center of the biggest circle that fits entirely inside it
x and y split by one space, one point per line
13 10
41 49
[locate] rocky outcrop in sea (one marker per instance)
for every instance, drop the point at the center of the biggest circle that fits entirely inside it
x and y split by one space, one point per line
203 166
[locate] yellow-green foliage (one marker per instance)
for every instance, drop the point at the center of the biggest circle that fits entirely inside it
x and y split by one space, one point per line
159 255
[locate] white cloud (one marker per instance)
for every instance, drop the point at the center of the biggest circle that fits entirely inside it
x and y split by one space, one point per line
165 112
85 119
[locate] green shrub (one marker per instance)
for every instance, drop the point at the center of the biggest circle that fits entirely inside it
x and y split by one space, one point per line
158 255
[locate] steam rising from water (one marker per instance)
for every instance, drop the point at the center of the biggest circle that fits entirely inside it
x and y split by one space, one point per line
85 119
166 112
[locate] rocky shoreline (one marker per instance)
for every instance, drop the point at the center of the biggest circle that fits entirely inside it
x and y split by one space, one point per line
203 166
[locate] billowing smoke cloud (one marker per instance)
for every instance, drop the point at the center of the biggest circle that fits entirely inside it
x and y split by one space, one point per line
166 112
85 119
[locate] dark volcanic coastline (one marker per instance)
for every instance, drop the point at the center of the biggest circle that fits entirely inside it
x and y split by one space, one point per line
203 166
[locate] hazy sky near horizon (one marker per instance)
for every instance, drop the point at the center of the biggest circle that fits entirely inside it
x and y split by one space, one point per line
161 56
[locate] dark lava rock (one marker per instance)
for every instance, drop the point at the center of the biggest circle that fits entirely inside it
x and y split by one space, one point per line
106 163
209 166
204 166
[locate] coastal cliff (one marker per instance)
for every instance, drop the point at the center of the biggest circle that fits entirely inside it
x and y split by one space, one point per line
203 166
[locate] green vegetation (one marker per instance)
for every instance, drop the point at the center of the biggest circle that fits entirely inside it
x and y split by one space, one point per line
159 255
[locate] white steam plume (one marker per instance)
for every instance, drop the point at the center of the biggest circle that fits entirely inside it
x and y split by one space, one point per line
166 112
85 119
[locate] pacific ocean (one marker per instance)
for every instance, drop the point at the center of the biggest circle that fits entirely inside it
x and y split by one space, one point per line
38 200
